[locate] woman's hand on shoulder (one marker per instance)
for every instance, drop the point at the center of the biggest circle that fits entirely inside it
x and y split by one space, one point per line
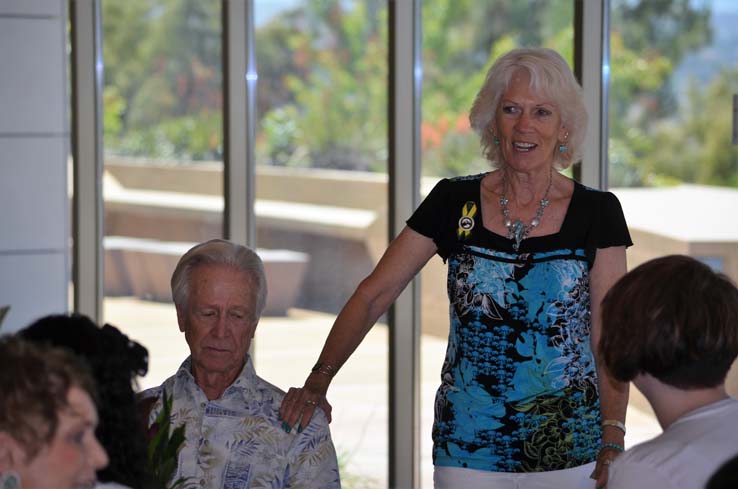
299 404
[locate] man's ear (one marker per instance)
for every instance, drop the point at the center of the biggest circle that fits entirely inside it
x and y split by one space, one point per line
181 317
11 453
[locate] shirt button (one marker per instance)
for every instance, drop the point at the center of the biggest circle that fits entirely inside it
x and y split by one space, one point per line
202 405
202 482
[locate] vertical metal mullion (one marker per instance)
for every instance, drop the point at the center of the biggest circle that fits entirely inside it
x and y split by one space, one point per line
239 112
594 55
87 141
404 177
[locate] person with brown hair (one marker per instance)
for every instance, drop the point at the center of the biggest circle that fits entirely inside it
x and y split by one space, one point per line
47 419
671 326
115 361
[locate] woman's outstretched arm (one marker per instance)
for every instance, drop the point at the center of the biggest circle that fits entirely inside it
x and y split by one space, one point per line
402 260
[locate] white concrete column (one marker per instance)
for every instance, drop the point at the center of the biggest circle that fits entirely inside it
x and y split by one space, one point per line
34 135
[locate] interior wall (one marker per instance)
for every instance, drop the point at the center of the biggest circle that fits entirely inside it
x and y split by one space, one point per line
34 136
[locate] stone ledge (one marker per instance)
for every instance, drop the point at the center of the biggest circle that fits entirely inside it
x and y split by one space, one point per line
142 268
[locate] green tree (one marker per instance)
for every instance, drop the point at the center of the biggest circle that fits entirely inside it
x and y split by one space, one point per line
162 77
696 146
329 93
649 39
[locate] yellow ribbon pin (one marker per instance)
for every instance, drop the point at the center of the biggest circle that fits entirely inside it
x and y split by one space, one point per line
466 222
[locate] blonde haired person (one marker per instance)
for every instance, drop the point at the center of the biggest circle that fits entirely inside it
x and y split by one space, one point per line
233 435
530 254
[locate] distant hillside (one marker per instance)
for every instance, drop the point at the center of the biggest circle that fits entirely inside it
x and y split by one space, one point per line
704 64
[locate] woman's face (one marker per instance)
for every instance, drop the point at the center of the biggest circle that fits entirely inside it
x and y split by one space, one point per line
74 455
529 127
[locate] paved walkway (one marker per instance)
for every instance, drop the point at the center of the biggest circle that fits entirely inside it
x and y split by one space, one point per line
286 348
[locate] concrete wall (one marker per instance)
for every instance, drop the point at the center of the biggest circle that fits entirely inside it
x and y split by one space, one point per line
34 135
336 218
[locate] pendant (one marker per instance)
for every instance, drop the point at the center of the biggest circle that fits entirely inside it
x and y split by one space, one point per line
517 232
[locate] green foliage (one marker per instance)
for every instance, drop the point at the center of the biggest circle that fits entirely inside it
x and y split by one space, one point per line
333 96
163 449
671 28
162 94
696 146
323 71
655 138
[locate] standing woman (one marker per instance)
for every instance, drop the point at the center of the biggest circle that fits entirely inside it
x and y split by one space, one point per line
530 254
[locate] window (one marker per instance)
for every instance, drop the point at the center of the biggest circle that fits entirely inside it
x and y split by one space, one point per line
461 40
321 205
163 161
673 165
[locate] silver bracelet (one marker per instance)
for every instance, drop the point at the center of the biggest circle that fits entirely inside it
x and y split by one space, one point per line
614 423
324 368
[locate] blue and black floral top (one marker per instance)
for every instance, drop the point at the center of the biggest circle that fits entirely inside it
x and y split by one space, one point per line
518 386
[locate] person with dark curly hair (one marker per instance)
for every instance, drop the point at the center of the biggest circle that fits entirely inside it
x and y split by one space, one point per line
671 326
115 361
47 419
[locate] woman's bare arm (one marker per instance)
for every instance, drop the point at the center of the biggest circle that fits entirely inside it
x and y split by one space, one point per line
402 260
610 265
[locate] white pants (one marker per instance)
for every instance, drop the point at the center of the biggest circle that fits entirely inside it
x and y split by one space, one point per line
460 478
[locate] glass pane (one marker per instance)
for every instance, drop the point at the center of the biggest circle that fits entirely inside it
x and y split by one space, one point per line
70 159
461 39
163 152
673 159
321 208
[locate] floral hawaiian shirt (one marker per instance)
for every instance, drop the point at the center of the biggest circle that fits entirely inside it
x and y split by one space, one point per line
237 441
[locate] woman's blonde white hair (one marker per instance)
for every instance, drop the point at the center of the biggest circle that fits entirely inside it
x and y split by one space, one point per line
225 253
550 78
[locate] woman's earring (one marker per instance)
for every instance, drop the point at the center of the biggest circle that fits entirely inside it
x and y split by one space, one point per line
562 146
495 139
9 480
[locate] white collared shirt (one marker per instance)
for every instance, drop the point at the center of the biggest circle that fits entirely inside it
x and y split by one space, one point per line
685 455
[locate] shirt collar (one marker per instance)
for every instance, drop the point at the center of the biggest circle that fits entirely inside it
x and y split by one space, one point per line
246 380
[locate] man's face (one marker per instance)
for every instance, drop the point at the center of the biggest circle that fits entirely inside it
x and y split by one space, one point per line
218 319
74 455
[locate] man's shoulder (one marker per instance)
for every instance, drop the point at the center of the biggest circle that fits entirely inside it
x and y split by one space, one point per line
266 388
149 401
154 392
150 393
274 394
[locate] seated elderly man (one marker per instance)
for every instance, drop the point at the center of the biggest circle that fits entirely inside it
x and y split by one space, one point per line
233 435
671 326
